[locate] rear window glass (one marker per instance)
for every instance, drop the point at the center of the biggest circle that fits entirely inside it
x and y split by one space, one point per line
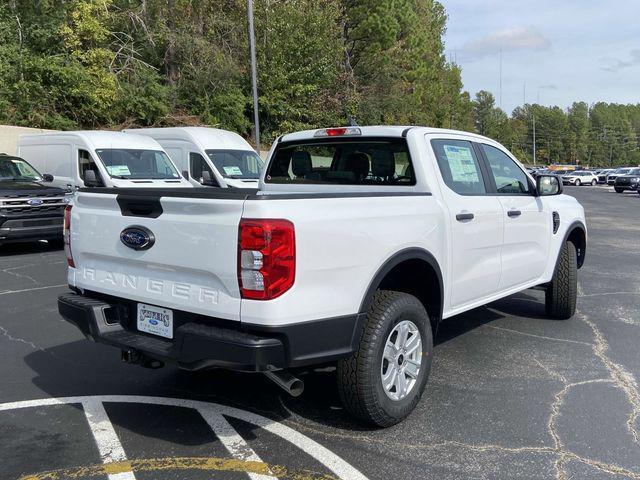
346 162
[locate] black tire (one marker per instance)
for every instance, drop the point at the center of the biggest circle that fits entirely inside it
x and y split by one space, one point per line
359 376
618 190
594 183
578 182
562 292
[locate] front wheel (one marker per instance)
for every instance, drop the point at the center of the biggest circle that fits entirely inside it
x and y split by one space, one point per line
578 183
382 382
618 190
594 183
562 292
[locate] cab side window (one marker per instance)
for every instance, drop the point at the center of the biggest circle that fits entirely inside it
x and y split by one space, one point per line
459 166
509 177
85 162
197 165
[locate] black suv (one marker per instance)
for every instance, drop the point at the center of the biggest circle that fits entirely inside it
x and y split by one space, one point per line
628 181
30 210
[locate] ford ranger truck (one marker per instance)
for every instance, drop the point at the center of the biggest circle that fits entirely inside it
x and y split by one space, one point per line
357 244
31 209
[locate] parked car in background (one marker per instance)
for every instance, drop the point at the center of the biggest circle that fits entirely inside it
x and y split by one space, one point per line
111 159
580 177
603 174
611 178
227 158
629 181
30 208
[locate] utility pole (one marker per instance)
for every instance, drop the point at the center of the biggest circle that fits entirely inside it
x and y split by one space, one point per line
534 138
254 77
500 77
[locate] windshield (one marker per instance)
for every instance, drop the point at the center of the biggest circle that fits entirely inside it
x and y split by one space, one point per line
128 163
17 169
242 164
621 171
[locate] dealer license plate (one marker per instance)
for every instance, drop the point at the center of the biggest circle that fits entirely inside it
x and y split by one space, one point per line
155 320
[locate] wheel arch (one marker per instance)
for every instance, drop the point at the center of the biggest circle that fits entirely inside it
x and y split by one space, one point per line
576 234
413 271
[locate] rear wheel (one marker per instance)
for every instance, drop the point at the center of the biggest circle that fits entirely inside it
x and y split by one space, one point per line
382 382
594 182
562 292
618 190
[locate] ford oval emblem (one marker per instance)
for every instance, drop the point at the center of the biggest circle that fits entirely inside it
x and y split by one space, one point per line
153 322
138 238
34 202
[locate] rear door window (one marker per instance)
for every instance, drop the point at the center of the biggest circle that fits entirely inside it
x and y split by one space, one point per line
459 166
353 161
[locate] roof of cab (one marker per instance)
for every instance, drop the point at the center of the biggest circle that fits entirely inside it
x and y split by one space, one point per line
95 139
382 131
205 137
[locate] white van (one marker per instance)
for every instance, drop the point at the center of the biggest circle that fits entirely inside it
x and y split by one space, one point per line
229 159
116 159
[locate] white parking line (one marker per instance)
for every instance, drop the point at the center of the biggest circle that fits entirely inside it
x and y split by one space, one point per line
321 454
232 441
105 436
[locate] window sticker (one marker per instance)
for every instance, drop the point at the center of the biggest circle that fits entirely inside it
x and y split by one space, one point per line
232 170
118 170
461 164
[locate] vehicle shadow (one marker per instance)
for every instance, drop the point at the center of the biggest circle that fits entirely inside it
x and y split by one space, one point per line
42 246
83 368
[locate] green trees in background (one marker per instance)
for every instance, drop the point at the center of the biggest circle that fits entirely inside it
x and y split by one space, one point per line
109 63
601 135
68 64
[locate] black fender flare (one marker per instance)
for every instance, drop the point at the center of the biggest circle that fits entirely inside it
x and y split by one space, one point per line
413 253
576 225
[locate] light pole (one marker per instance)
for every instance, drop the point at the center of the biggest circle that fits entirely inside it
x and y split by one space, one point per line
533 116
254 78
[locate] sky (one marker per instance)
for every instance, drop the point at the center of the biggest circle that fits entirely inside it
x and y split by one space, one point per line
553 52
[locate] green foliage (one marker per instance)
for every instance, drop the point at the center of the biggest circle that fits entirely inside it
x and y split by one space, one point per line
111 63
602 135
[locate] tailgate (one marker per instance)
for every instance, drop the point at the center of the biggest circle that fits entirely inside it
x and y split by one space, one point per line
191 266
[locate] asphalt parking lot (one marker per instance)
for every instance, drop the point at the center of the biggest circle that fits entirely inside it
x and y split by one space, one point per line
512 394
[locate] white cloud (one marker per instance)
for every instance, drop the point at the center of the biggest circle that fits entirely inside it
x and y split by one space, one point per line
611 64
510 39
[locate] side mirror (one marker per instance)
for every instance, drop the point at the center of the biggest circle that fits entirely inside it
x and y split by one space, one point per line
206 179
90 179
185 174
548 185
47 177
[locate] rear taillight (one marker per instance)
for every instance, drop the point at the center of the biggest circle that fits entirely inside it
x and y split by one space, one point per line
266 258
67 236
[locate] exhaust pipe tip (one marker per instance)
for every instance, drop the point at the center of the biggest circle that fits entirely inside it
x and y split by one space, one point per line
290 384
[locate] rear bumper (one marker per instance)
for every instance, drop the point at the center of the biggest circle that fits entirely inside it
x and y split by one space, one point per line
199 343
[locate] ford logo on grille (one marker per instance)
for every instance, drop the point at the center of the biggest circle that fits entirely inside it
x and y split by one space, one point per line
34 202
138 238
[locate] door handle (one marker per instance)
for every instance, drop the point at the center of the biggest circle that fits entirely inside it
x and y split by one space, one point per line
461 217
514 213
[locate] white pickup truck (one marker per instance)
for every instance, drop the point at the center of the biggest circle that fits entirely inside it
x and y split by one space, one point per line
358 243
